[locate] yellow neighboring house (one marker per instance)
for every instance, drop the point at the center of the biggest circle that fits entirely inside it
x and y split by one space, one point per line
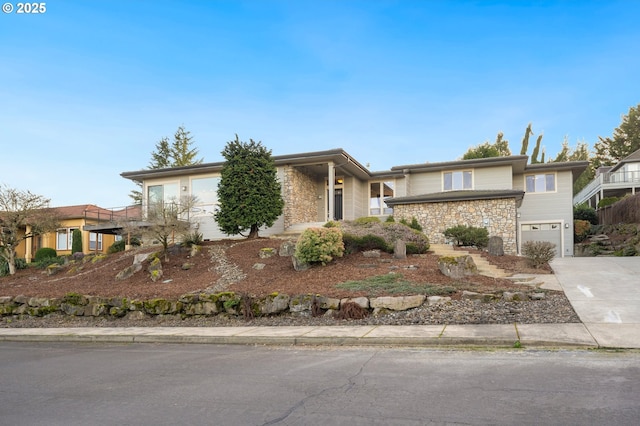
71 218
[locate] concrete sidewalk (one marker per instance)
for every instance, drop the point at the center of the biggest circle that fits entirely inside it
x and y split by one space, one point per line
527 335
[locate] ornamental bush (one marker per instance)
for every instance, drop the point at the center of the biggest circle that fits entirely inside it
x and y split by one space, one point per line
44 253
359 236
581 230
319 245
538 253
464 235
584 212
4 266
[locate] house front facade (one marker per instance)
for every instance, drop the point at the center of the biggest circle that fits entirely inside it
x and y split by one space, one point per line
513 200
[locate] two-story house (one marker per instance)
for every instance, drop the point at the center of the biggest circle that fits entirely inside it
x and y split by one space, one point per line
513 200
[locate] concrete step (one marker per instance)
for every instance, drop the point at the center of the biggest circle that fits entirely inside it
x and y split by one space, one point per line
485 267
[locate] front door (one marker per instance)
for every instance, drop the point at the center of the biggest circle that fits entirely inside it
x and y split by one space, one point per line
337 204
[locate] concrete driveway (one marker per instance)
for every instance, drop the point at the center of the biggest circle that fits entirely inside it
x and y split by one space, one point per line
605 293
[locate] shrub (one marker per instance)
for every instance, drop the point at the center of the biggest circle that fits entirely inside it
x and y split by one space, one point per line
468 236
194 238
390 219
366 219
4 265
538 253
76 241
607 201
332 224
319 245
383 236
413 224
581 229
44 253
121 245
584 212
355 243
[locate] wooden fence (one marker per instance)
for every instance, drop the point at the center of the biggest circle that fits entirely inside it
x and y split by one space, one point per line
626 210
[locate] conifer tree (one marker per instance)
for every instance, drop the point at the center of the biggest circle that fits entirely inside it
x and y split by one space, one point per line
249 192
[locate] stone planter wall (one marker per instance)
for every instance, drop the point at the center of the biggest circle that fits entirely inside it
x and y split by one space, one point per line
436 217
300 198
226 303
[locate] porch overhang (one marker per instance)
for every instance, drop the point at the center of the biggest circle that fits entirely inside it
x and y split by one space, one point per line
449 196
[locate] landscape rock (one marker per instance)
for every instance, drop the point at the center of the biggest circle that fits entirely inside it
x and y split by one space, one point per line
299 265
274 304
371 253
495 246
400 249
400 303
128 271
287 248
155 269
457 267
266 253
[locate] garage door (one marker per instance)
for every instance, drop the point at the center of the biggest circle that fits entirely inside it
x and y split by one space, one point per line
551 232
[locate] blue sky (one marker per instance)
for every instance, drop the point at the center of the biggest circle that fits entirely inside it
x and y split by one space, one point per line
89 87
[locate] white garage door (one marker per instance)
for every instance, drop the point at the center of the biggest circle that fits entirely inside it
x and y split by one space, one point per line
551 232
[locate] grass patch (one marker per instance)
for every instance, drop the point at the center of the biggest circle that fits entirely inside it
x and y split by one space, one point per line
394 284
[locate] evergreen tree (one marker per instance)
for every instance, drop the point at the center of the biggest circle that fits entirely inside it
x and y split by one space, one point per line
625 140
248 192
181 152
161 157
487 150
525 140
76 241
178 153
536 151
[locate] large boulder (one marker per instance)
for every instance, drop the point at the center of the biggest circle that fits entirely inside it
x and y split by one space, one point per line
400 303
457 267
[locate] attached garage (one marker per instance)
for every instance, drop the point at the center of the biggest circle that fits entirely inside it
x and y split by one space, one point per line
543 231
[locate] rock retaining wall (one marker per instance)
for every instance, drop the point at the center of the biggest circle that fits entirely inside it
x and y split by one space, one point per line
226 303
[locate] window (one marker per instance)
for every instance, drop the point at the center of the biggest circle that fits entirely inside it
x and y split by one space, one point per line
169 192
64 237
378 192
541 183
455 181
205 190
94 239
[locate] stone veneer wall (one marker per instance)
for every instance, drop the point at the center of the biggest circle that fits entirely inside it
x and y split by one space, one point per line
436 217
300 199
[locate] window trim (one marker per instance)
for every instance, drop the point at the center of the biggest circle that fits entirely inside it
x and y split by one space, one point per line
555 182
452 172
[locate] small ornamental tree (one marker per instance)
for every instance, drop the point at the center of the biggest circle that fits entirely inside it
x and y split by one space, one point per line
249 192
23 215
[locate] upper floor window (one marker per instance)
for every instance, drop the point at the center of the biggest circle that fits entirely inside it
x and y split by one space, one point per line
378 192
541 183
455 181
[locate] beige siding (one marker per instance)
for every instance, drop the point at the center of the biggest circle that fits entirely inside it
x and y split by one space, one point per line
491 178
550 207
426 183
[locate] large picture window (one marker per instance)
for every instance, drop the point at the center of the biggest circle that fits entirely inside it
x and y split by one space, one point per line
64 237
378 193
541 183
456 181
205 191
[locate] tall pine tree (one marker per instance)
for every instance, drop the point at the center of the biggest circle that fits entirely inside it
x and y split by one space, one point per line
625 140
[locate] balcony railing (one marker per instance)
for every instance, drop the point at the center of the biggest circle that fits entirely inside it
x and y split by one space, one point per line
616 179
